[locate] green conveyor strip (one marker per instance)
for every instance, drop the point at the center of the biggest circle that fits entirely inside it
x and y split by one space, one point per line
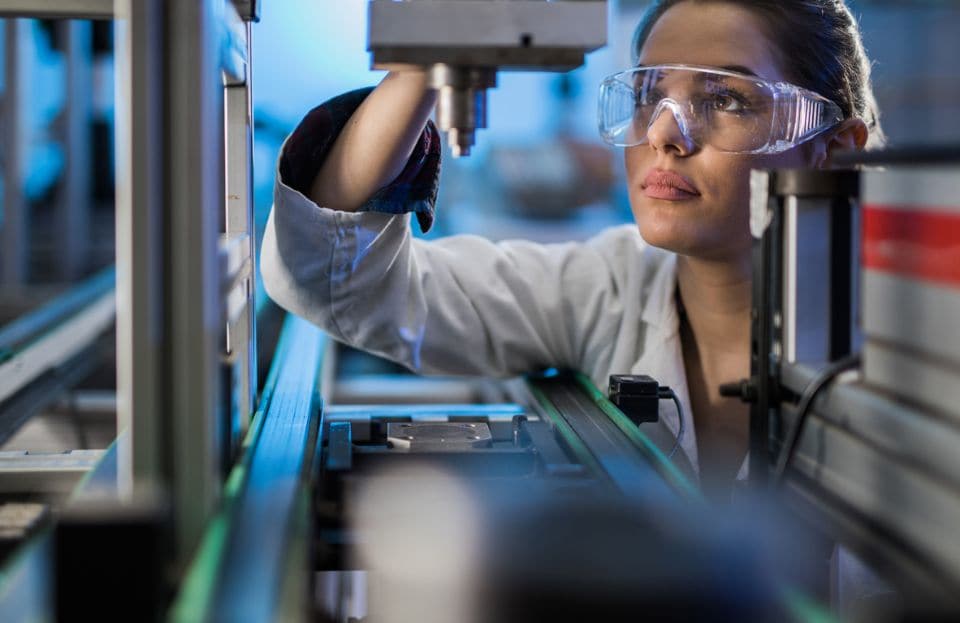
570 438
196 594
806 610
659 460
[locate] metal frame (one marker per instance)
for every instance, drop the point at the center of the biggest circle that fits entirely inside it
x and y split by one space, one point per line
14 224
194 194
72 200
873 472
264 521
186 292
249 10
72 215
57 346
185 308
881 476
240 230
59 473
793 211
140 242
53 9
47 351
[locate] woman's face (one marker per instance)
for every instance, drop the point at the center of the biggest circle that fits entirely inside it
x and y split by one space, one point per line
713 222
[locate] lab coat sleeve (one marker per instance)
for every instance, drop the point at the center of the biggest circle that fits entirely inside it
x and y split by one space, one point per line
306 149
457 305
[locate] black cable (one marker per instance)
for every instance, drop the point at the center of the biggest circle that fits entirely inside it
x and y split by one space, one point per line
666 392
810 393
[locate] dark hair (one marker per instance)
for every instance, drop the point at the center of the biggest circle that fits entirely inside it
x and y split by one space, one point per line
818 45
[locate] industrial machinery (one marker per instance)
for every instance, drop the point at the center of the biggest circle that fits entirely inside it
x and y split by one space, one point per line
854 321
238 491
181 294
463 43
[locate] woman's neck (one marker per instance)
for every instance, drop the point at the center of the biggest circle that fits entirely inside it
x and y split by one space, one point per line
715 337
716 297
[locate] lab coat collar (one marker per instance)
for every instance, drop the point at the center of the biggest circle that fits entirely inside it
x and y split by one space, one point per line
661 308
663 357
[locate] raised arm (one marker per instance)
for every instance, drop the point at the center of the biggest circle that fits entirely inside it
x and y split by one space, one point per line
463 305
376 143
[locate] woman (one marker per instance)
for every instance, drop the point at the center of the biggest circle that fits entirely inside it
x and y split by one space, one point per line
714 95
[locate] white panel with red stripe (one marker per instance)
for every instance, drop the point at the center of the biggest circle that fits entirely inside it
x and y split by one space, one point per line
911 283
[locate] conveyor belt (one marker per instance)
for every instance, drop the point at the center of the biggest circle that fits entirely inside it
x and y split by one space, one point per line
606 439
252 544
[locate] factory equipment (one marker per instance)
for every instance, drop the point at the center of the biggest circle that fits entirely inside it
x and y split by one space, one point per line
63 237
862 446
183 303
222 502
306 458
463 43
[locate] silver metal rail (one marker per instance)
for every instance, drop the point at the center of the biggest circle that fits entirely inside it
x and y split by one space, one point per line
45 473
260 536
53 334
194 194
72 207
863 454
185 291
241 347
185 238
875 472
53 9
13 231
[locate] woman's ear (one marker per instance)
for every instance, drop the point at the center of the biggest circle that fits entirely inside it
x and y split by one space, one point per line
848 136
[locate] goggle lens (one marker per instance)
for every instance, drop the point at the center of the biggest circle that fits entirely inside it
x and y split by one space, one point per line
728 111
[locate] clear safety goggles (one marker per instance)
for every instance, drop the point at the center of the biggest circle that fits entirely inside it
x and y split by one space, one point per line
729 111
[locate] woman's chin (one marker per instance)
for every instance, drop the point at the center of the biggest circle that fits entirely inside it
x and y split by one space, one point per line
732 248
667 236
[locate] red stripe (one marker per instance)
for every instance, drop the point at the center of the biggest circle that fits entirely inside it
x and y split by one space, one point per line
921 244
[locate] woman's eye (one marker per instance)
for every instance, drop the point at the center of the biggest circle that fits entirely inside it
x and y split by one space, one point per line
728 102
649 97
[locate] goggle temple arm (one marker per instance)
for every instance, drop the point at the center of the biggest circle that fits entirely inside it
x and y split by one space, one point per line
801 115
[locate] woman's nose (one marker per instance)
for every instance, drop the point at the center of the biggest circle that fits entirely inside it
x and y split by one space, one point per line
668 130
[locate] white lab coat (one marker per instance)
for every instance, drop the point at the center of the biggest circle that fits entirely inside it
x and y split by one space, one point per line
467 306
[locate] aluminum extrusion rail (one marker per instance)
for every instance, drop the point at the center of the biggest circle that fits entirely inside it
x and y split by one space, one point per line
57 9
52 348
260 537
603 439
885 476
28 327
248 10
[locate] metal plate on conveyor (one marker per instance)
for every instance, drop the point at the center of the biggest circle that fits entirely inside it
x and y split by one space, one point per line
438 436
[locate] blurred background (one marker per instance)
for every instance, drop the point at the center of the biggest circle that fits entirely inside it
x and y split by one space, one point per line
538 171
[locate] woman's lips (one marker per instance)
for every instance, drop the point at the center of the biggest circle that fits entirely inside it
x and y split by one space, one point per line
668 185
